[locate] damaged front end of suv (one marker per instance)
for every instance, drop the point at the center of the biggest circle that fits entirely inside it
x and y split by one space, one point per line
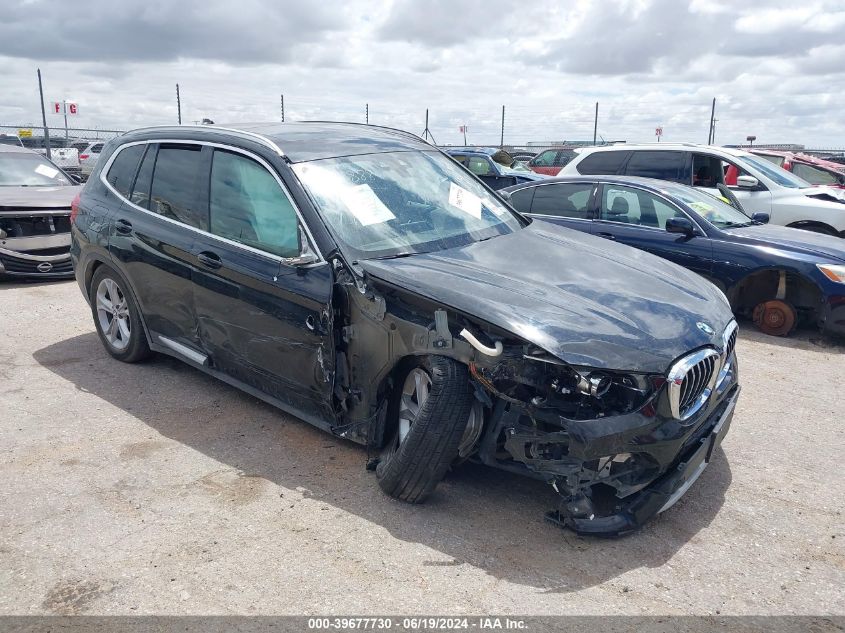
618 445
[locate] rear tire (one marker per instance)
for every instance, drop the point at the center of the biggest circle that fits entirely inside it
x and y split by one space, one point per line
430 412
116 317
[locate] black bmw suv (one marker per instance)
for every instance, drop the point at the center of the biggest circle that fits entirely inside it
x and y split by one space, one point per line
362 280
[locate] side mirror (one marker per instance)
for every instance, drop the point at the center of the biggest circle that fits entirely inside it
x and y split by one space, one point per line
306 255
680 225
747 182
505 195
762 218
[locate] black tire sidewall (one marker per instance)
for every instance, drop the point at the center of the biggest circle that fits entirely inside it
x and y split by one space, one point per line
411 471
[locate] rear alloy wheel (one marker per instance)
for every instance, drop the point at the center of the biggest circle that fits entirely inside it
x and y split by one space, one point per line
431 413
775 317
116 317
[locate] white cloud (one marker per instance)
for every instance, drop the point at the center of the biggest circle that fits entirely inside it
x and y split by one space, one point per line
776 72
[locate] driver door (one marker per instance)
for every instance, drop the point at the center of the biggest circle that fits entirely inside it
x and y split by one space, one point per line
262 320
752 200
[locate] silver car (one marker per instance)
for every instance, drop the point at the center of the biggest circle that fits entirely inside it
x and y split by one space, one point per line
89 154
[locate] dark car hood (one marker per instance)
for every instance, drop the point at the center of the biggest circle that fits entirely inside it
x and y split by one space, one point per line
12 198
584 299
797 241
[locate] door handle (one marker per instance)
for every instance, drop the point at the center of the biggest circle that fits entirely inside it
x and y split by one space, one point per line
209 259
607 236
123 226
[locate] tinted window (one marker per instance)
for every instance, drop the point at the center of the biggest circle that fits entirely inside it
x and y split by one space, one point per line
122 170
248 206
174 184
563 200
706 170
602 163
521 199
660 165
141 190
634 206
96 149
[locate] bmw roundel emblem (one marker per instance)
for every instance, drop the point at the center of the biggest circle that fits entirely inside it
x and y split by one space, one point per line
45 267
709 331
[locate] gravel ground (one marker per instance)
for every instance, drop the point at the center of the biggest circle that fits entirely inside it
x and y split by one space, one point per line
154 489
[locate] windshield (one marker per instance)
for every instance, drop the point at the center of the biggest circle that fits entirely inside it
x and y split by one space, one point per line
517 167
780 176
711 208
29 170
397 203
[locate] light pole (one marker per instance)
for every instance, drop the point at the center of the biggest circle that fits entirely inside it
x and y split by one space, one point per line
751 140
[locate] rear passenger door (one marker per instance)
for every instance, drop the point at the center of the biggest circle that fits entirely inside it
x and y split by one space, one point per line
262 320
637 217
566 204
152 235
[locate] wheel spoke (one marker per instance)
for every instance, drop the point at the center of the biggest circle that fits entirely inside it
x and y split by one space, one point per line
111 333
104 304
123 328
408 409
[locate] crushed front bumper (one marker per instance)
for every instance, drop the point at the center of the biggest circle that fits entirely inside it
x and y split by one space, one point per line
665 491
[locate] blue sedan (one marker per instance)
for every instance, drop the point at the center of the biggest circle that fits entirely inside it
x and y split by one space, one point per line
775 275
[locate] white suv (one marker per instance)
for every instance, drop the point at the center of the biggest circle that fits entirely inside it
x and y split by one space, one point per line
760 186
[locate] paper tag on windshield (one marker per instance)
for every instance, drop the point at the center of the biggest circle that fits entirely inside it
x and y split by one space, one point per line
465 201
365 205
46 170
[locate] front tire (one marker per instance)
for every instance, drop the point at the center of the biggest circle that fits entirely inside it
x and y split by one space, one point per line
116 317
430 414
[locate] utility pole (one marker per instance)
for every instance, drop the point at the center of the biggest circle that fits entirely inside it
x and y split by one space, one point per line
426 132
502 139
596 123
64 111
178 105
283 107
367 113
710 135
464 128
44 117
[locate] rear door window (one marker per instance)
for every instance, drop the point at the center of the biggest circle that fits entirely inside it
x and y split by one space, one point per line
247 205
565 200
174 188
123 168
657 164
602 163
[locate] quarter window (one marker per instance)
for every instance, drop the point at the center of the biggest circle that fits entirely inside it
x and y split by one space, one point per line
247 205
658 164
521 199
563 200
123 168
141 189
602 163
174 191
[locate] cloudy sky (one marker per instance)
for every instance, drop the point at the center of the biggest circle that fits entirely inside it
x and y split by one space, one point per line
777 69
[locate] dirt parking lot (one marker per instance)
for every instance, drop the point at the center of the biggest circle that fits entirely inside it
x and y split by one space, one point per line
153 489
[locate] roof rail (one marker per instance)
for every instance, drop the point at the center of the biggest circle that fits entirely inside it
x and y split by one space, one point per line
381 127
254 135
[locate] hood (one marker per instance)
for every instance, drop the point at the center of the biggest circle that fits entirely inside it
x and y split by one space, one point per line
526 176
584 299
823 192
16 198
796 241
